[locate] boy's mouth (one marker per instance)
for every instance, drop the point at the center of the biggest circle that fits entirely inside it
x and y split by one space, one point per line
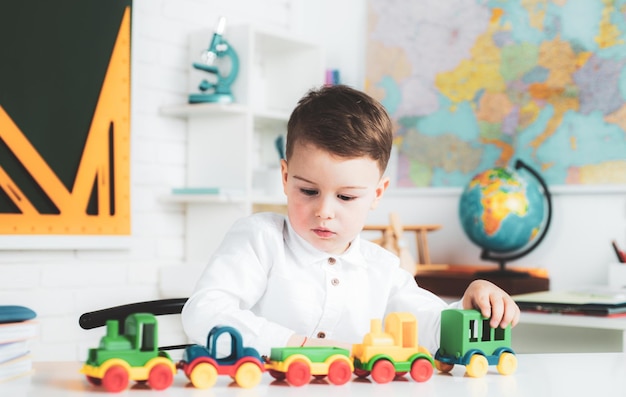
322 232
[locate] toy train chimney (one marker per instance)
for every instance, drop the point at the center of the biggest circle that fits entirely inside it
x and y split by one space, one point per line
112 328
376 326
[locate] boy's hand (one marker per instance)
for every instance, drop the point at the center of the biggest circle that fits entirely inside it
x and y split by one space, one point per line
492 302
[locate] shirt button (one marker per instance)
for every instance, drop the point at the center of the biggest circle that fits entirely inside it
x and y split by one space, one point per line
321 335
335 282
332 261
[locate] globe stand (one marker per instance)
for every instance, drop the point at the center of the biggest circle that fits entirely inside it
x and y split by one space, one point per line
501 258
502 272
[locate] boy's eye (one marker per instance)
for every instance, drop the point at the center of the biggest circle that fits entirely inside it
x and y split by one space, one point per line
309 192
344 197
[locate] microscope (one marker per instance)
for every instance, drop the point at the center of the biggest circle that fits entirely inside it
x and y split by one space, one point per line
217 55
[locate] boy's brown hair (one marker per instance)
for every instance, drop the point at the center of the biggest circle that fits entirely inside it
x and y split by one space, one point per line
342 121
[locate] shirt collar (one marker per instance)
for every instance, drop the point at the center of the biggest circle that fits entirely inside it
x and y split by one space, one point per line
308 255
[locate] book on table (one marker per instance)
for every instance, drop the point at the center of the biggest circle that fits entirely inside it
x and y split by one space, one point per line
16 367
12 350
13 332
592 301
17 327
15 314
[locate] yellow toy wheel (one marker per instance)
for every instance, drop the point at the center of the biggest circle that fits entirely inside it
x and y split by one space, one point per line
443 367
248 375
203 376
507 364
478 366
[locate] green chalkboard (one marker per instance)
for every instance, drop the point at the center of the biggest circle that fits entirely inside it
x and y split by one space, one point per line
55 56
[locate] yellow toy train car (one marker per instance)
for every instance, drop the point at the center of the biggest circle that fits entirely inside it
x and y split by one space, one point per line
393 352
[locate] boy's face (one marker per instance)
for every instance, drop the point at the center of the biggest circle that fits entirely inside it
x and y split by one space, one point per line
329 197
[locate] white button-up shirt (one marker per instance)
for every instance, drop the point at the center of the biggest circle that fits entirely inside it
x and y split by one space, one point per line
269 283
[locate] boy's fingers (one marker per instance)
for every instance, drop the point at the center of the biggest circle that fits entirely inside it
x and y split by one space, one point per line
511 314
497 311
482 304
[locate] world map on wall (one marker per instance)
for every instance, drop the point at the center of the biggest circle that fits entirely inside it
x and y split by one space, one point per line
472 85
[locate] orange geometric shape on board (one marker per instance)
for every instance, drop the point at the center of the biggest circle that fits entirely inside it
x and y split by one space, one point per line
105 160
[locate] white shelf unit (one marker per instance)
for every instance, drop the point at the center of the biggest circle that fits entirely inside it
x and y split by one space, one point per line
231 146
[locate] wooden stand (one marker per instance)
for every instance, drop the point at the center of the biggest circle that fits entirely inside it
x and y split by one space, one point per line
392 239
421 231
452 281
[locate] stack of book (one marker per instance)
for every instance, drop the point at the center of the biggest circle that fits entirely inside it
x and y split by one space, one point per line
17 327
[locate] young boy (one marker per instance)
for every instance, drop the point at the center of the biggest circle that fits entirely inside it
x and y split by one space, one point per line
308 278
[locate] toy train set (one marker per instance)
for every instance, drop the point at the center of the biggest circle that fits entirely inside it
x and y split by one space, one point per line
129 351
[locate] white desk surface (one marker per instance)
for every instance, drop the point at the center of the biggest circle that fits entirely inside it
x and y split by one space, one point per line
537 375
557 333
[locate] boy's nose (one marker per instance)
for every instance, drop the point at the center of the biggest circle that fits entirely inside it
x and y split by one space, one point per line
324 209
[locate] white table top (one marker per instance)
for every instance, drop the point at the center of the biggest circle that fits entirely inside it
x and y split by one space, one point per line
537 375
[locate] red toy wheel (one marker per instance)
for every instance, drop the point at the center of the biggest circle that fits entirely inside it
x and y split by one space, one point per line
339 372
361 373
298 373
277 374
443 367
115 379
94 381
383 371
421 370
160 377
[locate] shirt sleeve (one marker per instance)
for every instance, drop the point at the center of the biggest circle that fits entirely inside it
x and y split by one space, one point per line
223 297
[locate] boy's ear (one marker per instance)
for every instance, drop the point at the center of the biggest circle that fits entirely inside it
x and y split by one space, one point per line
383 184
284 173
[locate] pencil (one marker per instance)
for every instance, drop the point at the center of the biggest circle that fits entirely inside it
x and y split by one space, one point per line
621 255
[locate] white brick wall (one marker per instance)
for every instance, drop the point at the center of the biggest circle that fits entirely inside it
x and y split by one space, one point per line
61 285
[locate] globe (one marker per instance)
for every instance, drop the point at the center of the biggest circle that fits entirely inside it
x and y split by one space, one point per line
505 212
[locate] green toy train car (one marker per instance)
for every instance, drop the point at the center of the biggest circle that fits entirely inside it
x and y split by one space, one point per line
132 355
298 364
468 339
